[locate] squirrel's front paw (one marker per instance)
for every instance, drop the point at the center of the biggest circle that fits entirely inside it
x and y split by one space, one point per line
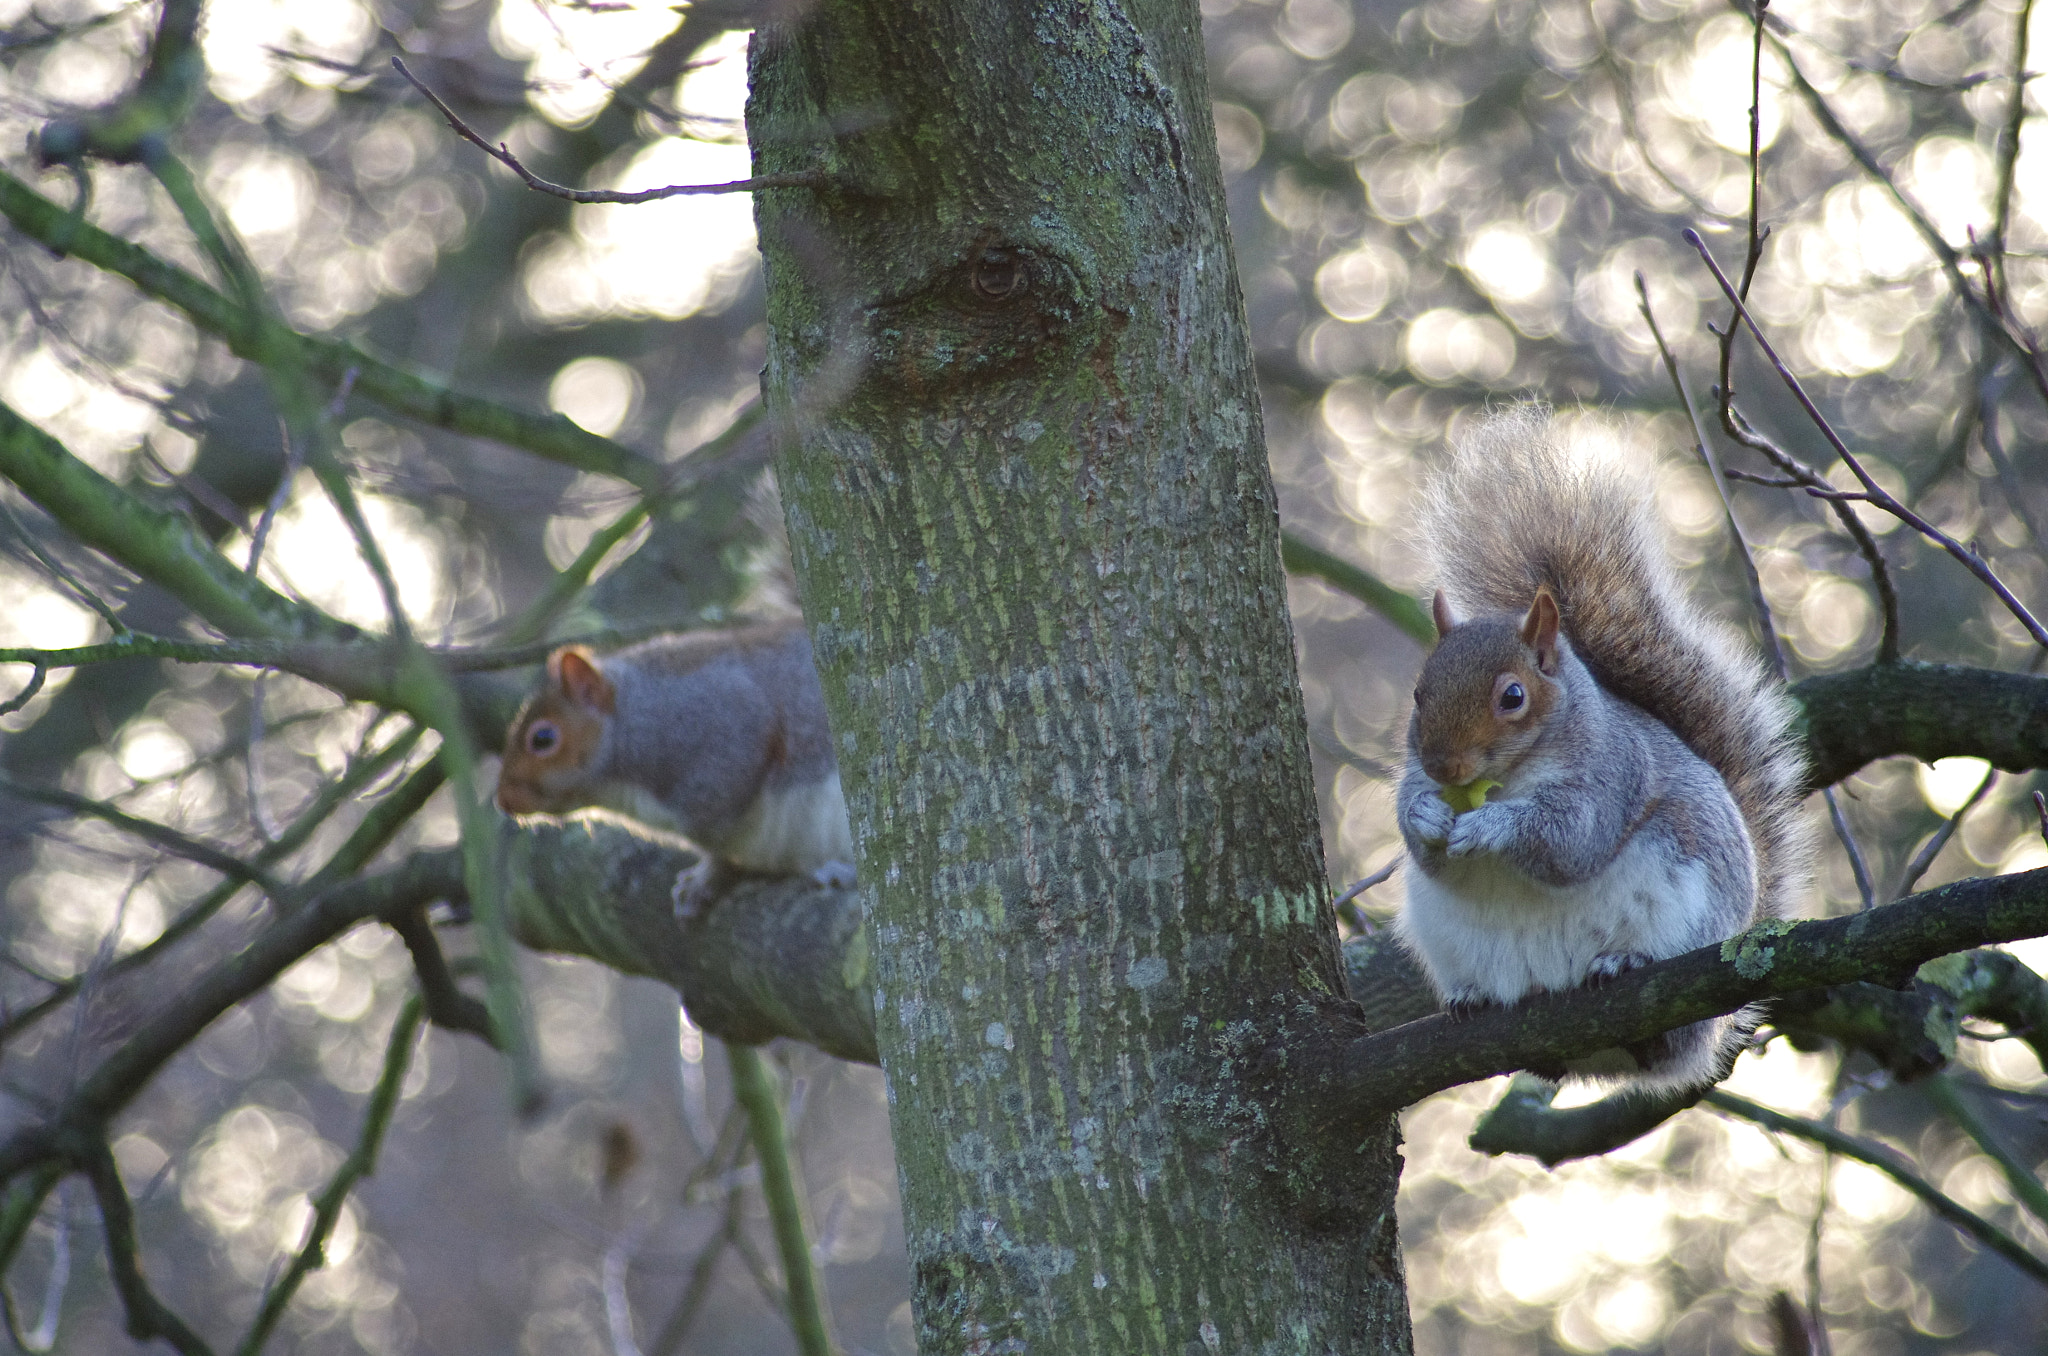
1476 831
1429 819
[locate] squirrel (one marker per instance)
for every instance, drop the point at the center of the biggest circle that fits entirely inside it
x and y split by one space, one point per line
1599 776
717 735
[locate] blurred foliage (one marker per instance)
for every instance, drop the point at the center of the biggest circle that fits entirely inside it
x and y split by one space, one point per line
1438 205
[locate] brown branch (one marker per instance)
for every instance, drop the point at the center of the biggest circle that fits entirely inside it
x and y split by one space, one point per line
148 1317
446 1004
503 155
1927 710
1524 1122
1878 496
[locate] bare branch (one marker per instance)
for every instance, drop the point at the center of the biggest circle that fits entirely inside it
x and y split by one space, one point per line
148 1317
1892 1166
1371 1074
1938 840
360 1163
1766 626
1877 495
165 837
499 153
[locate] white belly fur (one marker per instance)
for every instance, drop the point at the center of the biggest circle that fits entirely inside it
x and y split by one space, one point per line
792 831
1486 931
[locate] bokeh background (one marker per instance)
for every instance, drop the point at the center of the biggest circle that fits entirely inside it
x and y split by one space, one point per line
1438 206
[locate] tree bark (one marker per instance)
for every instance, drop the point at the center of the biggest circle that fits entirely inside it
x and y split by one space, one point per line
1036 542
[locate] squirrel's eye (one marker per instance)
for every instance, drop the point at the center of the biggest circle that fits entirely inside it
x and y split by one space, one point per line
543 738
1512 697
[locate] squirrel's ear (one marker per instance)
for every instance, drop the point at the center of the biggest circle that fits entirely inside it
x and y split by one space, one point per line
574 670
1440 613
1539 629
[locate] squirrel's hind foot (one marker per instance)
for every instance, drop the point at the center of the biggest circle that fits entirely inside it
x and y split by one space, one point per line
1465 1008
1611 965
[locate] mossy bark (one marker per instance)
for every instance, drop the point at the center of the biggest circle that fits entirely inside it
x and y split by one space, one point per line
1036 541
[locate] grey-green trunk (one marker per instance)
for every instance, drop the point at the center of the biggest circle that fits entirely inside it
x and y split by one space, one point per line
1031 516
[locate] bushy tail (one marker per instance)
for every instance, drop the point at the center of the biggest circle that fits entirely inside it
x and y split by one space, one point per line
1520 505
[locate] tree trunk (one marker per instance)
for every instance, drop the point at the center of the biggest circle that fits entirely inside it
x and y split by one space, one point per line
1036 541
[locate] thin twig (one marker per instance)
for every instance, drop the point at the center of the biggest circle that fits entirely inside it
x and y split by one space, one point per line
447 1005
178 844
1804 477
1892 1166
28 691
1766 625
1938 840
1769 482
504 156
1625 105
1866 887
362 770
343 897
43 1337
2008 152
732 446
754 1087
1877 495
670 1339
1346 904
273 506
148 1317
360 1163
63 576
1357 888
2026 1187
1994 447
1756 159
1946 254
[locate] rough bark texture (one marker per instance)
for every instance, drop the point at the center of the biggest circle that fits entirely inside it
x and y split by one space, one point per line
771 957
1928 710
1037 546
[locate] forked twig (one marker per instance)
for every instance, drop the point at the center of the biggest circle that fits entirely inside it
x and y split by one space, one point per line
1873 493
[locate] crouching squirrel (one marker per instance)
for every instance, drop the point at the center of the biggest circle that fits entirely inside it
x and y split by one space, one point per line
1598 776
717 735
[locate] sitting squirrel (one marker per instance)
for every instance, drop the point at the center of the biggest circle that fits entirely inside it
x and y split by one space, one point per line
1598 776
717 735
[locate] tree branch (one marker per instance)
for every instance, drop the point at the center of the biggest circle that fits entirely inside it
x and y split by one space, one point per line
338 901
1362 1076
426 399
754 1087
1927 710
503 155
447 1005
1524 1122
160 546
1411 617
165 837
148 1316
1892 1166
776 956
361 1163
